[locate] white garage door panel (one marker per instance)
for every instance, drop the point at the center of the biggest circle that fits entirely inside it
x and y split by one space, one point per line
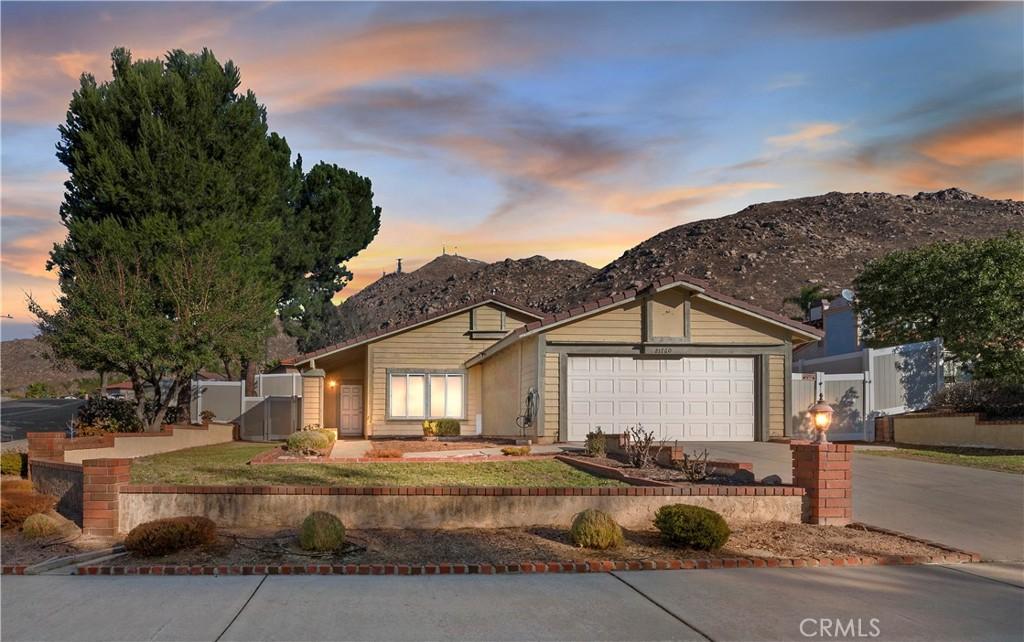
693 398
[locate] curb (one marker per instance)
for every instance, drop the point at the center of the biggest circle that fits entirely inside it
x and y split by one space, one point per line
593 566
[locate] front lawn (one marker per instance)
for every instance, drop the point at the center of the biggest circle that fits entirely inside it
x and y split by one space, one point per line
226 465
999 460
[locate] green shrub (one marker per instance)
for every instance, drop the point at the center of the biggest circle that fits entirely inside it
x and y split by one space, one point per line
39 525
321 531
448 428
101 415
994 399
692 527
39 390
330 433
12 463
169 535
595 529
594 444
307 442
515 451
429 428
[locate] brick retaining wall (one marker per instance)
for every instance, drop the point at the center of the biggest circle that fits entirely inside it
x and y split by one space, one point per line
55 446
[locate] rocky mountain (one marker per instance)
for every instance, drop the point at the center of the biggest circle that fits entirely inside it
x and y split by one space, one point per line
766 252
25 361
449 281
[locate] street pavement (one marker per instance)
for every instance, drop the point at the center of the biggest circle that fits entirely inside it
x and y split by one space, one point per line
965 602
973 509
19 416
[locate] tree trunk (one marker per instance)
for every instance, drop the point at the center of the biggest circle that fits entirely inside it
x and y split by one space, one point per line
249 369
139 390
103 384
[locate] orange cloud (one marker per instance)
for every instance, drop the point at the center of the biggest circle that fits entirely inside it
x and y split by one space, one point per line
808 136
979 142
675 199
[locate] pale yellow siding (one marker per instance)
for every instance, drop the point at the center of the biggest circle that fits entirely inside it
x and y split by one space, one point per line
551 395
668 314
507 376
312 401
528 375
487 318
442 345
713 323
776 387
618 325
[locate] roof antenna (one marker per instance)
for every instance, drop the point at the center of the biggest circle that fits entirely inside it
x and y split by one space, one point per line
399 270
444 251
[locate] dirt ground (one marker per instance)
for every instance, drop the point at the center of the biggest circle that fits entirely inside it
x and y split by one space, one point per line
15 549
420 446
513 545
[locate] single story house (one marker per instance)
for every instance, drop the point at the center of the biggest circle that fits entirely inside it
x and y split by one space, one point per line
675 356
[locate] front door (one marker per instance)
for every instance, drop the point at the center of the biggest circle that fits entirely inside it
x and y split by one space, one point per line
350 413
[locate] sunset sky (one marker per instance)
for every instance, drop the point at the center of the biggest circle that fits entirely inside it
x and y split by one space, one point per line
568 130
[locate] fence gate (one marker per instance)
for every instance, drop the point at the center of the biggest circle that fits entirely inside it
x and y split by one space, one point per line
846 393
274 414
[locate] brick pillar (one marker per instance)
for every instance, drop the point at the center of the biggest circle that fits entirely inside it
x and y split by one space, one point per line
46 445
101 484
883 430
824 470
313 397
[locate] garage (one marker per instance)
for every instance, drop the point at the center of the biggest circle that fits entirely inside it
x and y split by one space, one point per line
684 398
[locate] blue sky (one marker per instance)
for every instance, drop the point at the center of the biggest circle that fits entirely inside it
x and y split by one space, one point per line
571 130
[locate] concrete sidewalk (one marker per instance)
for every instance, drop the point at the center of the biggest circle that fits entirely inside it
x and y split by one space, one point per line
964 602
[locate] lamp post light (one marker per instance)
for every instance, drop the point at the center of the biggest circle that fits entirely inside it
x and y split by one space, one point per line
821 418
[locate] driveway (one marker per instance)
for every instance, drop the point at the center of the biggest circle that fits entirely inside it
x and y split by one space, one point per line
973 509
19 416
900 603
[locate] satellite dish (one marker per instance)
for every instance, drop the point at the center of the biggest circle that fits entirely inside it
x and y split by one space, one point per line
847 294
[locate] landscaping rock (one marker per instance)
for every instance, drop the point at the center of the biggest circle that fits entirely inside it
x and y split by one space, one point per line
742 476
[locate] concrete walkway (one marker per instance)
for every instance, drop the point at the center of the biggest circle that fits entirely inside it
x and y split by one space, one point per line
974 509
903 603
350 448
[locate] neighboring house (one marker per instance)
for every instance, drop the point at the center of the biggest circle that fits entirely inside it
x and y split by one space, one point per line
121 390
841 325
675 356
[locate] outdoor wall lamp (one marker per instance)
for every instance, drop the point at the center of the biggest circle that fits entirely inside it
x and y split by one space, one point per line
332 383
821 417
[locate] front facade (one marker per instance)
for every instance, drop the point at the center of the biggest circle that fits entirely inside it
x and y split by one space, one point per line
675 357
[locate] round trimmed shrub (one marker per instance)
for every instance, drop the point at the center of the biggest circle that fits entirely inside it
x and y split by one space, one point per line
12 463
321 531
692 527
307 442
593 528
170 535
39 525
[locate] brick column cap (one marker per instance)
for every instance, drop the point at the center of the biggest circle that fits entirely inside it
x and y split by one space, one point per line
314 372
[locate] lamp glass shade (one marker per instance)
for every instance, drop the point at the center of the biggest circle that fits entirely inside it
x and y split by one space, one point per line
821 414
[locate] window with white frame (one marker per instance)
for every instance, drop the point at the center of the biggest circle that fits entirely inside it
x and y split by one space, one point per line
426 395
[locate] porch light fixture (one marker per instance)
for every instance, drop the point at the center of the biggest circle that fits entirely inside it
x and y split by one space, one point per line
332 383
821 418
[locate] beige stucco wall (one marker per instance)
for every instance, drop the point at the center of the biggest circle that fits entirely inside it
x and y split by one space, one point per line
957 430
443 511
143 445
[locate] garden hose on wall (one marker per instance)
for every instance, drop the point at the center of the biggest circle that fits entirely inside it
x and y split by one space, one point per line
528 418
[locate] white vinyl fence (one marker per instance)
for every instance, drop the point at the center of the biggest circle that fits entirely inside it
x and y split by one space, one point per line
863 385
274 413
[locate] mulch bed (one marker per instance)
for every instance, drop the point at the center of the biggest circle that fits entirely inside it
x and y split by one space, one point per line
654 471
514 545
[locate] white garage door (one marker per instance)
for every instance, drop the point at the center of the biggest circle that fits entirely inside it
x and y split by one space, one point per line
692 398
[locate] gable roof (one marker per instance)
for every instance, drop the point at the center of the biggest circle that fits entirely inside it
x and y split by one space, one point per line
698 286
408 325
